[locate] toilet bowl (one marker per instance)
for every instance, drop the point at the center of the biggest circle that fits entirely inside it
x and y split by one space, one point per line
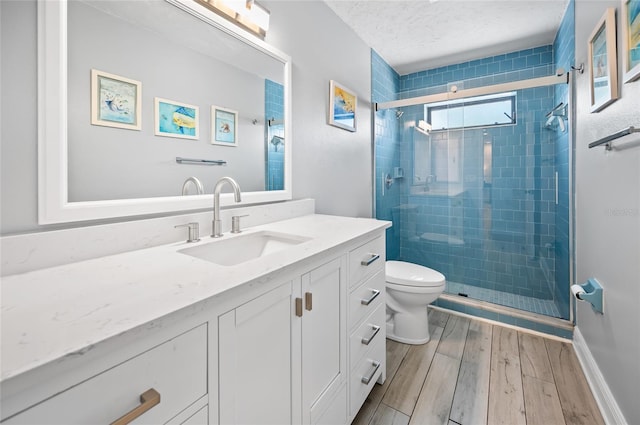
410 288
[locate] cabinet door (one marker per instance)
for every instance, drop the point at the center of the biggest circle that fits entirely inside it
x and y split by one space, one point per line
323 334
255 357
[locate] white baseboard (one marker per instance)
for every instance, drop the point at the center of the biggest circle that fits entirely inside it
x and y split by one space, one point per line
606 402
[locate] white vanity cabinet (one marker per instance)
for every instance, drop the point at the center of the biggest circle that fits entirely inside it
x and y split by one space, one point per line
366 323
293 339
281 356
255 357
172 375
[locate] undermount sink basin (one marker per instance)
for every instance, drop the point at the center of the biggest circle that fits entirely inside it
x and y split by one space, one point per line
235 250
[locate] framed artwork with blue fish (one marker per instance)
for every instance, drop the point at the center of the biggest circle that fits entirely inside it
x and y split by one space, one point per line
115 101
343 105
631 39
224 126
176 119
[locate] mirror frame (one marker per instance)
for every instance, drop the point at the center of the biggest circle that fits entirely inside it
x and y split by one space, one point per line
53 204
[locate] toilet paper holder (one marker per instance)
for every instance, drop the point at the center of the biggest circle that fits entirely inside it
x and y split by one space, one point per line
590 291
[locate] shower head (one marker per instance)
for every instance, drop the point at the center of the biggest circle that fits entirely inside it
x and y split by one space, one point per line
555 121
399 113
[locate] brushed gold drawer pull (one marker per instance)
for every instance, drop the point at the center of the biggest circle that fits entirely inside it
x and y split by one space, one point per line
371 259
148 399
308 301
374 295
299 307
375 329
366 379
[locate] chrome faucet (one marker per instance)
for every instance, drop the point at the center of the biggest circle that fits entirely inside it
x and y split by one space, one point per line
196 183
217 226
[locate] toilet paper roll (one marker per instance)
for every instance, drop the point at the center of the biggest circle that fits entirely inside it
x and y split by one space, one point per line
577 291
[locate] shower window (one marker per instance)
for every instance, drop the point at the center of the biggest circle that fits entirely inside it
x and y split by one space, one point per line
480 111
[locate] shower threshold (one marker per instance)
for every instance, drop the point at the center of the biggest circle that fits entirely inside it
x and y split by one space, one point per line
520 302
507 315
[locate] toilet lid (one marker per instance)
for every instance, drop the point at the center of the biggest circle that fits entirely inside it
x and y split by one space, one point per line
409 274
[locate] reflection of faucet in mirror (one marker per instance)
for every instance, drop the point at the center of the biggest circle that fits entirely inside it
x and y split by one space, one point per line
197 183
429 180
217 227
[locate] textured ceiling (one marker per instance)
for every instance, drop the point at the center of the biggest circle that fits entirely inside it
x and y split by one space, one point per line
417 35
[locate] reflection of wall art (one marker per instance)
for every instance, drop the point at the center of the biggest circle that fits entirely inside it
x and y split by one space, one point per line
224 126
175 119
342 106
630 39
115 101
603 69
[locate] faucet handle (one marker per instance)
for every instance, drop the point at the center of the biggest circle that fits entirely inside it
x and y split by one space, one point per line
235 223
194 231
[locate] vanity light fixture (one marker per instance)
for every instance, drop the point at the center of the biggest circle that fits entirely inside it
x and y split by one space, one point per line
247 14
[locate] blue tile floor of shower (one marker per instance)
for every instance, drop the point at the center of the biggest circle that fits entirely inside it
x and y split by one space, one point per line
522 302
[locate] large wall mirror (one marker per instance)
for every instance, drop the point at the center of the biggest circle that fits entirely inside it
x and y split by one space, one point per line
135 97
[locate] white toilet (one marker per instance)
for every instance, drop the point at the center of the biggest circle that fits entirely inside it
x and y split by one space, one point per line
410 288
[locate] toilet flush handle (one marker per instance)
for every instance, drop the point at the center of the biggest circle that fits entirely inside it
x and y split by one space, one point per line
371 259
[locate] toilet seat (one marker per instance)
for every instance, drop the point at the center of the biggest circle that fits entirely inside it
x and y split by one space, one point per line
403 274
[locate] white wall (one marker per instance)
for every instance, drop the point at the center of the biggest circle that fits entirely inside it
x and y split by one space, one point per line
330 164
608 223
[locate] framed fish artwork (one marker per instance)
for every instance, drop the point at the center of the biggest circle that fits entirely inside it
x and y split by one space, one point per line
342 106
115 101
224 126
176 119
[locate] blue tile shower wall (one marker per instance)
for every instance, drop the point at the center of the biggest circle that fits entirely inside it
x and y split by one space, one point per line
384 87
519 65
522 260
493 231
274 110
564 57
522 174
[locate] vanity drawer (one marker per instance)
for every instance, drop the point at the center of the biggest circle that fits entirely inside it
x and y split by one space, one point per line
364 376
366 298
366 260
367 335
176 369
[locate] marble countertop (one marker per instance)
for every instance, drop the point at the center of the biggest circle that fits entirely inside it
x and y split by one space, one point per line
53 312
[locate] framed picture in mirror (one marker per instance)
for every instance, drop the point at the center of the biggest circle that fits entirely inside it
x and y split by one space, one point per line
224 126
176 119
115 101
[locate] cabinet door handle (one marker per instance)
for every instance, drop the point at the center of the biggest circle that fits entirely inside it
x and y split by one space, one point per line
371 259
366 341
299 307
367 379
371 298
308 301
148 399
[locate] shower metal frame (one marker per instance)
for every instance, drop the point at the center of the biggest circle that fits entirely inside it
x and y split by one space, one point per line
560 78
476 91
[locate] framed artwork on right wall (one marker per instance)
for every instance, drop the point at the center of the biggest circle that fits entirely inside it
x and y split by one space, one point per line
630 39
603 64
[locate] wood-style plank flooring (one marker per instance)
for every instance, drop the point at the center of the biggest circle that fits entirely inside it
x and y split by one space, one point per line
476 373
